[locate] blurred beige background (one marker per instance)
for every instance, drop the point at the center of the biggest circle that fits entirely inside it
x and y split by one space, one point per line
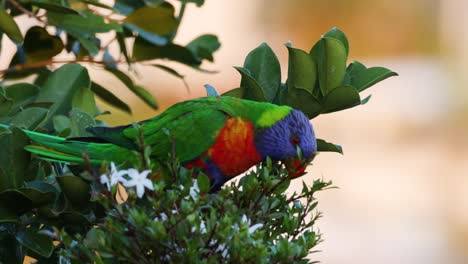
403 180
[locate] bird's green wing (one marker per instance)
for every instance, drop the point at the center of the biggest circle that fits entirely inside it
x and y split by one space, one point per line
189 128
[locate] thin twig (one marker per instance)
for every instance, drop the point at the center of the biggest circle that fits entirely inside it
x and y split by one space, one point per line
39 64
25 11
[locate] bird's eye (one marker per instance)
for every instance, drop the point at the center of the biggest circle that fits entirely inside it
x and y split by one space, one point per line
295 140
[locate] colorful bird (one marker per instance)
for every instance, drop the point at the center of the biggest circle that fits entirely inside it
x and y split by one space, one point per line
221 136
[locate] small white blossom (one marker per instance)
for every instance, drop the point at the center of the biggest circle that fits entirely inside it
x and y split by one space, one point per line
115 177
194 190
139 181
162 219
255 227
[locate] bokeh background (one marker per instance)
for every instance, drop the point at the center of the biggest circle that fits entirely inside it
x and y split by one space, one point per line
403 181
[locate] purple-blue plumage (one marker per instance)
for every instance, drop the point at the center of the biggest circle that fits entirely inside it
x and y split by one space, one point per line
281 140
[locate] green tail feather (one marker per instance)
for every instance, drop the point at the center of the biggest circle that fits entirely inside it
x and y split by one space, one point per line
58 149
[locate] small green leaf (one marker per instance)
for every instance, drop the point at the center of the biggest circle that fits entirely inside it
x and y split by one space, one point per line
9 27
13 158
50 6
89 42
29 118
236 92
61 123
204 46
137 90
324 146
203 183
158 20
340 98
60 89
330 56
86 22
339 35
75 189
79 121
37 242
250 87
302 70
264 68
172 72
83 99
371 76
197 2
22 94
302 100
109 98
143 50
5 105
14 202
39 45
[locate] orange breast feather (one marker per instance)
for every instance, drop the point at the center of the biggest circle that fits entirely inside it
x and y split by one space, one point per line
234 149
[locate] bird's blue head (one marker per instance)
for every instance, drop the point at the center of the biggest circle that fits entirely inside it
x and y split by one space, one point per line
282 140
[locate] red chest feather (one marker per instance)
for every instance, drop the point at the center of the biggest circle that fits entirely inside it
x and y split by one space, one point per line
234 148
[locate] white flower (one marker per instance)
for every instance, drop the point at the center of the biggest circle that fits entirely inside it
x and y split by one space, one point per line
115 177
139 181
194 190
255 227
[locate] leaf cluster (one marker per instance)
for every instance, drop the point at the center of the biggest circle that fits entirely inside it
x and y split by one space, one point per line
180 221
141 31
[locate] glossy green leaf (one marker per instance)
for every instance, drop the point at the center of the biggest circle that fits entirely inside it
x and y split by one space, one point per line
75 189
29 118
9 27
340 98
353 69
39 45
139 91
61 123
13 158
21 94
14 202
324 146
61 87
339 35
302 70
204 46
158 20
53 7
264 68
109 98
89 42
236 92
330 56
302 100
203 183
83 99
5 105
86 22
127 6
143 50
79 121
371 76
39 193
250 88
37 242
123 46
197 2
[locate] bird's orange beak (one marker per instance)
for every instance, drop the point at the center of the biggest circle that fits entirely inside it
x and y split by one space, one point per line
296 166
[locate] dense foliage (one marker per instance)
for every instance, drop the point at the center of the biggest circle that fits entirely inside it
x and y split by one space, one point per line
78 214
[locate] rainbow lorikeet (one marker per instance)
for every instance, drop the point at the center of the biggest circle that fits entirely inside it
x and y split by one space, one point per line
222 136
